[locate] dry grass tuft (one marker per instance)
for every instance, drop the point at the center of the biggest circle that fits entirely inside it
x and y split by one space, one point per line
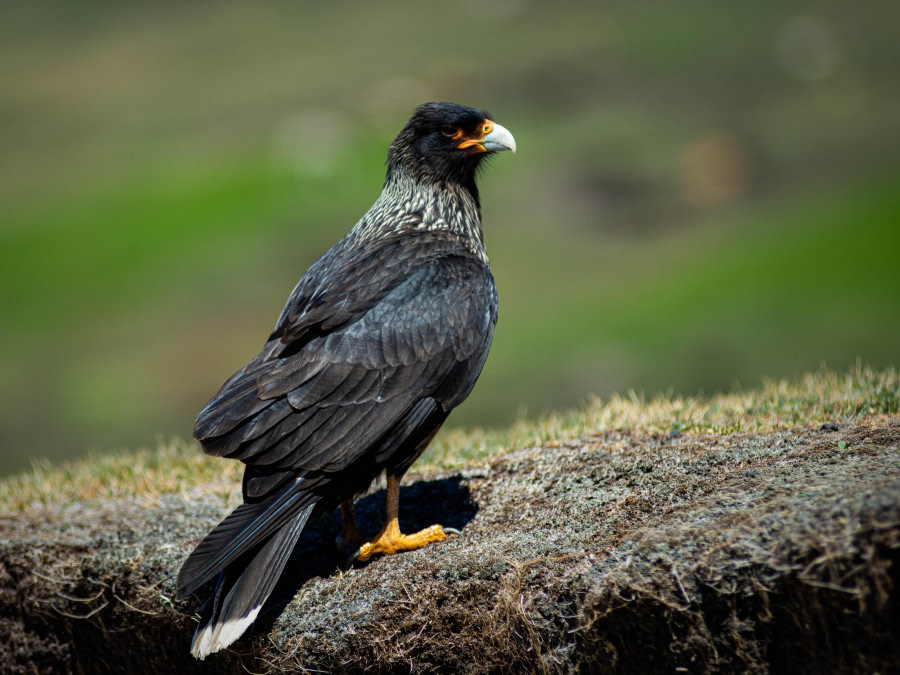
140 475
815 398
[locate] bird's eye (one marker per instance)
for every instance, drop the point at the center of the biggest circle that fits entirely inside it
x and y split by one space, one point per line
451 131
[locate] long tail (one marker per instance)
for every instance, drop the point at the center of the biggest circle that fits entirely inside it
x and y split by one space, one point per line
247 551
244 596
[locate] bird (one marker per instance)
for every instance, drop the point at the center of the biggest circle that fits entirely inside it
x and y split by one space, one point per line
383 336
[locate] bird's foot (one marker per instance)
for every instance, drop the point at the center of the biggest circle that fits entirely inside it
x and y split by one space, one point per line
390 540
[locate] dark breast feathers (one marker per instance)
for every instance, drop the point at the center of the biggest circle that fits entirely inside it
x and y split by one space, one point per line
358 370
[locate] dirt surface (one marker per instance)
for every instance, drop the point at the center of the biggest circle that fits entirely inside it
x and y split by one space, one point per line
618 552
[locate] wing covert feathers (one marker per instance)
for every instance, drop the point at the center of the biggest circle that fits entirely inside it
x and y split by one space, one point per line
321 408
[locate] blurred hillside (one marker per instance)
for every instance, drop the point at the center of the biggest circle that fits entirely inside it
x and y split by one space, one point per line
702 196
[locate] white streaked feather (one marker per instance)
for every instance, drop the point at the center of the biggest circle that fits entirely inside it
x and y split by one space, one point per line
212 638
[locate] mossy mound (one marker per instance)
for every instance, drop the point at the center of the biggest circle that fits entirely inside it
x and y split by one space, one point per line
616 551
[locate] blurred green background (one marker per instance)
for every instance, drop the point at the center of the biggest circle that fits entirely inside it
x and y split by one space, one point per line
705 194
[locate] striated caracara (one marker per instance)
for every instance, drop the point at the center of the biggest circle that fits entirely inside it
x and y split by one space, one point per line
383 336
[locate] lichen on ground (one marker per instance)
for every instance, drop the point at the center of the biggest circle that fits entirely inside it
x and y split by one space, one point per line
638 546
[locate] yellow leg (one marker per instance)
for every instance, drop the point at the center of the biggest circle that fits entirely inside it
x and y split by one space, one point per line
390 540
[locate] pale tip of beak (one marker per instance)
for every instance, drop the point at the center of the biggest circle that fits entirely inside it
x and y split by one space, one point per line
499 140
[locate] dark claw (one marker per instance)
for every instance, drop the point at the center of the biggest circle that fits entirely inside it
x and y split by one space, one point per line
348 562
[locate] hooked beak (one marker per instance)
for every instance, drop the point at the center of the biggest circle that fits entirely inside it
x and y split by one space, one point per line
494 138
499 139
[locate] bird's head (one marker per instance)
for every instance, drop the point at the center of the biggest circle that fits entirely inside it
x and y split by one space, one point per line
446 142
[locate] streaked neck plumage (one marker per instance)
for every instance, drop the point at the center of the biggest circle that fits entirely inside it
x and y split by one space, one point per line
408 204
